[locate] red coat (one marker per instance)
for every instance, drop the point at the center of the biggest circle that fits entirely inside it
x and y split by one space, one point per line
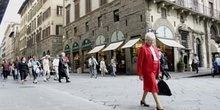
148 68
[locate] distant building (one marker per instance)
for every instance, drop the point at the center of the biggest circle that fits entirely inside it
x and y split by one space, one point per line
9 47
41 27
106 28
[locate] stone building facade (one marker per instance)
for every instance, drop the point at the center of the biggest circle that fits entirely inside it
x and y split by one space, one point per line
9 41
107 28
41 27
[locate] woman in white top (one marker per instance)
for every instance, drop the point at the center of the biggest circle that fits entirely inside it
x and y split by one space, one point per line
196 62
102 67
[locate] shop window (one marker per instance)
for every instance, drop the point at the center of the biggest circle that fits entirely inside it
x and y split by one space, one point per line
116 15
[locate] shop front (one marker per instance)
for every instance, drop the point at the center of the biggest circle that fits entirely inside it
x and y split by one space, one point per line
76 58
132 47
85 48
99 45
67 51
166 42
114 50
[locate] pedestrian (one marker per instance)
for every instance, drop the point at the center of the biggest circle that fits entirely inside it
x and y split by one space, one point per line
55 67
15 66
148 68
67 66
92 66
62 67
196 62
6 69
166 67
103 68
23 68
216 65
35 69
163 64
113 66
46 68
30 68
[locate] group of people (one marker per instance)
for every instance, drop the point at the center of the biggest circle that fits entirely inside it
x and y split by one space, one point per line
92 63
34 68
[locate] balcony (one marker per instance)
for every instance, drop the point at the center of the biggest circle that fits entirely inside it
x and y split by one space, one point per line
192 7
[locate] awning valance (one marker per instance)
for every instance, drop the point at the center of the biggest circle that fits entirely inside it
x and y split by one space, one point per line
96 49
113 46
171 43
130 43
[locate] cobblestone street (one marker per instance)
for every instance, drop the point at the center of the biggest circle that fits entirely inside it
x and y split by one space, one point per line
108 93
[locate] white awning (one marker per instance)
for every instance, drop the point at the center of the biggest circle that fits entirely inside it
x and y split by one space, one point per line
130 43
171 43
113 46
96 49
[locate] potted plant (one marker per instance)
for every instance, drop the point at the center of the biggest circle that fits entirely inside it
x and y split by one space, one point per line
181 65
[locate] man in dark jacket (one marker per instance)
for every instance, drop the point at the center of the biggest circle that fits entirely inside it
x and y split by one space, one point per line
6 68
62 68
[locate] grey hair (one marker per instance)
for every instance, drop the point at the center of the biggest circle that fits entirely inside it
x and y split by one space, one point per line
150 35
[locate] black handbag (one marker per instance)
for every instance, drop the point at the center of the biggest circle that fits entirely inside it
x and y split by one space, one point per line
163 88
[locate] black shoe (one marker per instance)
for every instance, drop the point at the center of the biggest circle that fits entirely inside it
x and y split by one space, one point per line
144 104
159 109
59 81
67 81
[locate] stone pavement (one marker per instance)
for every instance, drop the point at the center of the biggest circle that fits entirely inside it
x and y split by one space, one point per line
109 93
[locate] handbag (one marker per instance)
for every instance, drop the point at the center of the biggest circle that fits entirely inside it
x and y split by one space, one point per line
163 88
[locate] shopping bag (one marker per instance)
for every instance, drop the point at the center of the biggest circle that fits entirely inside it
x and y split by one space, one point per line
163 88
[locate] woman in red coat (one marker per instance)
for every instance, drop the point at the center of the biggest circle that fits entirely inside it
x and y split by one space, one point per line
148 68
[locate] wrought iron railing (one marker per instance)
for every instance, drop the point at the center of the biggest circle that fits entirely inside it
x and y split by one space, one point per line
195 6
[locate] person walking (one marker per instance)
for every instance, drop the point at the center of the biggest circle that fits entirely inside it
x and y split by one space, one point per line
92 66
113 66
196 62
163 63
46 68
35 69
6 69
67 61
216 65
103 68
62 67
55 67
148 68
23 68
30 67
16 71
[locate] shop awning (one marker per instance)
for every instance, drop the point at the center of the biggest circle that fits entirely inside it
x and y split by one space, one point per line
113 46
96 49
130 43
171 43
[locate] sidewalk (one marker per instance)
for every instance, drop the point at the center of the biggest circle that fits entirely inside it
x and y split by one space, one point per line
190 74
